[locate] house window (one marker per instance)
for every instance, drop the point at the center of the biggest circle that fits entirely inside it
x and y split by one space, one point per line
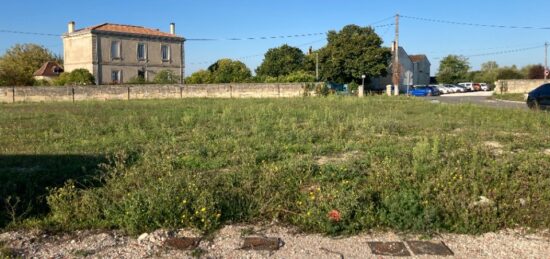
116 76
165 52
115 50
141 51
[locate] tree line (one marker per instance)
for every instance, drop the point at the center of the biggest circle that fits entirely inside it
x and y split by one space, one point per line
454 69
350 53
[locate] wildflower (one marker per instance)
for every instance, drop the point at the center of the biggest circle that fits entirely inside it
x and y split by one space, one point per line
334 215
203 209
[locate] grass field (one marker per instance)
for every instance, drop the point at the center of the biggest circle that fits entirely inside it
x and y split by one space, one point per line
329 165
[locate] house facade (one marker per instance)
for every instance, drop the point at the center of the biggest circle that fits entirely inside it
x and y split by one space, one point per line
48 71
416 65
116 53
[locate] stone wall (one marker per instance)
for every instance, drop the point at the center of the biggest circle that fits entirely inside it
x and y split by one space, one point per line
518 86
129 92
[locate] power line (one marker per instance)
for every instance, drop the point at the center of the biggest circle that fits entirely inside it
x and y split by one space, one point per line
499 52
253 56
274 37
475 24
30 33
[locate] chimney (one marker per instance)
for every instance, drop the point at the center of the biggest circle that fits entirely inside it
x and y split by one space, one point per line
71 27
173 28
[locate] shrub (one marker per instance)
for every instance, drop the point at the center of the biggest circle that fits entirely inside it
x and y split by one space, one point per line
166 77
76 77
137 80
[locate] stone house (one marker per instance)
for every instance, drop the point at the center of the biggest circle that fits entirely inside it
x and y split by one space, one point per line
116 53
417 65
48 72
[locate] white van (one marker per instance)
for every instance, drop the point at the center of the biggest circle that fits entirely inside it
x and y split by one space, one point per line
468 86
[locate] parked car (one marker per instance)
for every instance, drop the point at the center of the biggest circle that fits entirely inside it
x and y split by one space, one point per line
443 89
539 98
477 87
456 89
462 89
424 90
484 87
469 86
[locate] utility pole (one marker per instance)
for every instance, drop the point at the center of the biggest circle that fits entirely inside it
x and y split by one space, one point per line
545 61
396 72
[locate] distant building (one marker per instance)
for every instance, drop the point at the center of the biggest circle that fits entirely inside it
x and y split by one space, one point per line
116 53
416 65
49 71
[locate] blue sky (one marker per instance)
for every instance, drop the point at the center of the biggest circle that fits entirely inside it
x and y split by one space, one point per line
247 18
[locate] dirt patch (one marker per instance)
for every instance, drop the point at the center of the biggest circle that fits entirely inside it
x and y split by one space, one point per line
495 147
228 242
337 159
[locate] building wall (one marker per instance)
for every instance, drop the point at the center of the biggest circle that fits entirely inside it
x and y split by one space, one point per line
93 52
130 92
518 86
405 64
78 52
422 72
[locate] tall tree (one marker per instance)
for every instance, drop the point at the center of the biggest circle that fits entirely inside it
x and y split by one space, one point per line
229 71
19 63
453 69
488 73
200 77
535 72
281 61
509 73
352 52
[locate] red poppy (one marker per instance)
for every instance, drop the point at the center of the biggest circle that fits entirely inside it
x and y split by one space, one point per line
334 215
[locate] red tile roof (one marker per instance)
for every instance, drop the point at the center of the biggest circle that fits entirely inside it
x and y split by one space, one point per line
49 68
129 29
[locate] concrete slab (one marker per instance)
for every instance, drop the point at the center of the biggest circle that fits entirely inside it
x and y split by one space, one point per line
429 248
389 248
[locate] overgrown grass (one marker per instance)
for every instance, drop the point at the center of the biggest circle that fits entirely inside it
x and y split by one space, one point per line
519 97
381 162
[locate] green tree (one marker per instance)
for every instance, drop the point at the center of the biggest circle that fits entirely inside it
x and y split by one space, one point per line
509 73
453 69
281 61
534 72
200 77
229 71
352 52
79 76
166 77
19 63
488 73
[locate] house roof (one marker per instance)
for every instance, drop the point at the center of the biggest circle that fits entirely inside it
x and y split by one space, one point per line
128 29
417 58
49 68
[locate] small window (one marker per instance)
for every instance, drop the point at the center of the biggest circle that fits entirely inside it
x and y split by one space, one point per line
141 51
116 76
115 50
165 52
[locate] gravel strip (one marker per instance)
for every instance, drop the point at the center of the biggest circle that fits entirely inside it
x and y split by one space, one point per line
227 242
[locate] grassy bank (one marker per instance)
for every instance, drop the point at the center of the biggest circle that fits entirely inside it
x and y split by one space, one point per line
377 162
510 97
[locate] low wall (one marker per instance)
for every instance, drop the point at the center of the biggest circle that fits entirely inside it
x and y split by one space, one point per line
128 92
518 85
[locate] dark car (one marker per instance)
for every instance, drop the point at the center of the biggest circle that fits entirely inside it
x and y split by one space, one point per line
539 98
424 91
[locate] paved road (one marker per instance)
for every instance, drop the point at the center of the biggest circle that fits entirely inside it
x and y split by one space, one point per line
479 98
